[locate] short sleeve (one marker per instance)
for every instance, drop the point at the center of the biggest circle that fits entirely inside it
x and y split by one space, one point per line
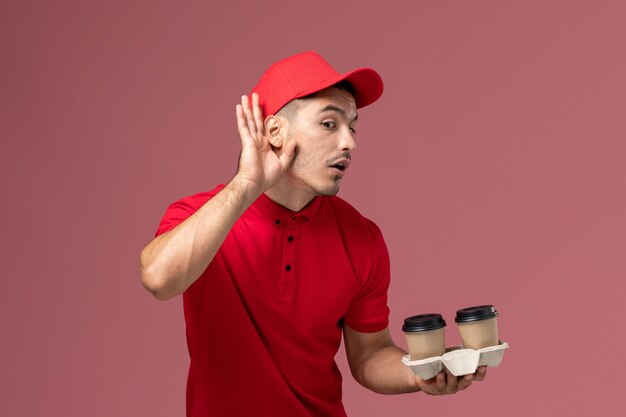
182 209
368 312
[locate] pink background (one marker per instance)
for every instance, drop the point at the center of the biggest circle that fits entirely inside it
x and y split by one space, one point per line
495 164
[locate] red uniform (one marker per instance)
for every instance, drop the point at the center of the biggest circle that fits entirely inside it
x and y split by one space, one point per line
264 321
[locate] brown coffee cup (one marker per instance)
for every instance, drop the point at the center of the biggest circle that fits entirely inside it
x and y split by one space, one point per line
425 335
478 326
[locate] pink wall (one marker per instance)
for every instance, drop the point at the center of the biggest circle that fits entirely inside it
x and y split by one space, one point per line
495 164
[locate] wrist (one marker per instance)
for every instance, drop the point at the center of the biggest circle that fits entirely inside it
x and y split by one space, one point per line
412 382
244 190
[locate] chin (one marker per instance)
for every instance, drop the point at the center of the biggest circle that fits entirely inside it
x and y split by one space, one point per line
329 190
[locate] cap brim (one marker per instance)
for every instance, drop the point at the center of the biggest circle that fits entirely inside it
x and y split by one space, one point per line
367 84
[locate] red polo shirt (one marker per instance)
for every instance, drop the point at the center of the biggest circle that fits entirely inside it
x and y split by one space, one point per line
264 321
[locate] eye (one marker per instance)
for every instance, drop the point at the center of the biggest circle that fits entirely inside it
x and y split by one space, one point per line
353 130
328 124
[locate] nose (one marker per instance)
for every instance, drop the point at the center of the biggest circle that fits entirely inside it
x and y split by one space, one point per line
347 142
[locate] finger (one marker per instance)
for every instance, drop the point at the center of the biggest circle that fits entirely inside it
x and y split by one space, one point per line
257 113
480 373
242 126
440 384
452 383
247 111
465 382
288 153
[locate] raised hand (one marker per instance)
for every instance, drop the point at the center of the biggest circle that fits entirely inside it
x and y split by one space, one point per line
260 164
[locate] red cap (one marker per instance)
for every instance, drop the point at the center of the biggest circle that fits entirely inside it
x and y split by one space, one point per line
307 73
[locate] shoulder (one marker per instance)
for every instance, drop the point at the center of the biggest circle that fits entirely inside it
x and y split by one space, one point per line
181 209
196 201
364 243
356 228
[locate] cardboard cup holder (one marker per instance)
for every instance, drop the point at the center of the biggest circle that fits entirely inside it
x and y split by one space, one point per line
457 360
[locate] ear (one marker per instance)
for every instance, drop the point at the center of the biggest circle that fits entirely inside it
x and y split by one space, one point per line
275 130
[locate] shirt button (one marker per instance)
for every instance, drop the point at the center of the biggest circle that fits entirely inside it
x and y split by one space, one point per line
288 268
277 221
290 239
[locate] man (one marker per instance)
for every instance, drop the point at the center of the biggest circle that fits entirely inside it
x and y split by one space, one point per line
274 268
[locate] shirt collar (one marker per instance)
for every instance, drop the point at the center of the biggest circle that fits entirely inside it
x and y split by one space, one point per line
279 214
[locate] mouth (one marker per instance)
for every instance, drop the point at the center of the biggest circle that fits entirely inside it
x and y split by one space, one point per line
341 165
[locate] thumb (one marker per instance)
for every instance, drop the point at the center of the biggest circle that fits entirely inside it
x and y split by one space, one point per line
287 154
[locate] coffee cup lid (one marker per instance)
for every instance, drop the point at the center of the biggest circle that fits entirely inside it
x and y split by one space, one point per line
423 322
475 313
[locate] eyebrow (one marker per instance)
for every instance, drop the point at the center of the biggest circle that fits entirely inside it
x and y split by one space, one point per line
332 107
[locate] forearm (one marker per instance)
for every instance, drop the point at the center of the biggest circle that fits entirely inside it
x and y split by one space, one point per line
376 362
383 372
173 261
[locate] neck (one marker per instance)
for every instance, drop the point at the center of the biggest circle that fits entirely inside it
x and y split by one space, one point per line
292 197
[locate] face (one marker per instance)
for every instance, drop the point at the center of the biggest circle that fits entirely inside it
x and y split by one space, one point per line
323 127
